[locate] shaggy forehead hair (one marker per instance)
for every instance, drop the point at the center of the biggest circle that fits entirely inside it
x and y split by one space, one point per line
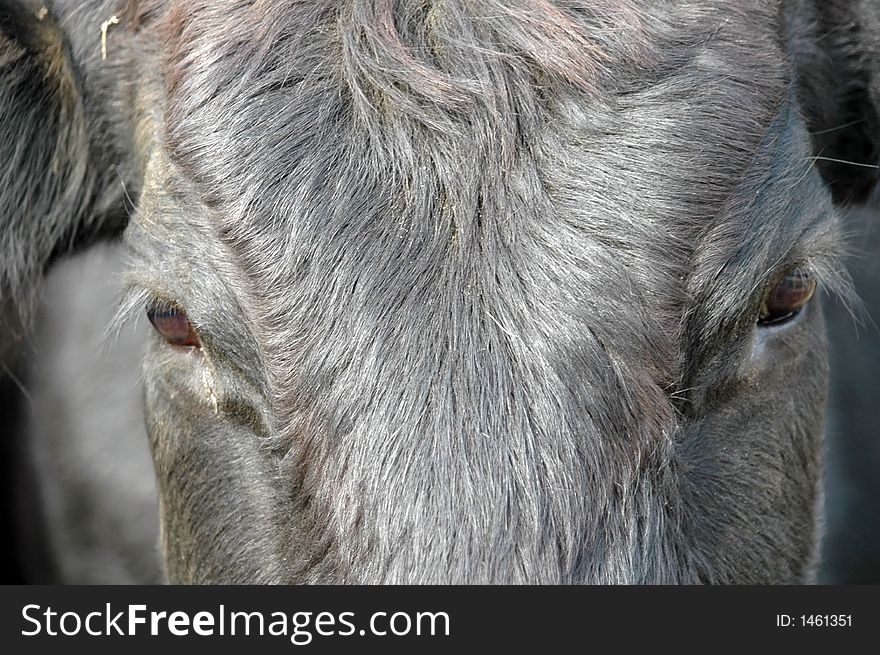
471 231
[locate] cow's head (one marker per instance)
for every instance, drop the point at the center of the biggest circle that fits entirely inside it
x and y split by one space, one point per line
479 292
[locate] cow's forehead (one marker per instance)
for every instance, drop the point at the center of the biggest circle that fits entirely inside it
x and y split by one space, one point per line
244 80
263 108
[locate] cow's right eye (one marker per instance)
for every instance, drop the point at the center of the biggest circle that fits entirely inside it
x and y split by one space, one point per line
787 297
174 326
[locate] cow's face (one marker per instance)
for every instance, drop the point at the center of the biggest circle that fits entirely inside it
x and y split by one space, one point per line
482 296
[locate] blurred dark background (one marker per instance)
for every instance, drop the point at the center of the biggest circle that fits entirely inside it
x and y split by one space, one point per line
852 462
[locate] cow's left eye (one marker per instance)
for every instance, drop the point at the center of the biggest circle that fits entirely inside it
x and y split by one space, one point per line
174 326
787 297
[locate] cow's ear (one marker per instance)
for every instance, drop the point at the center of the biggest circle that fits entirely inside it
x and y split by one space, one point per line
45 182
835 46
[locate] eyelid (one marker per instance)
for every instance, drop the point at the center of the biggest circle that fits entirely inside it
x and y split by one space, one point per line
174 325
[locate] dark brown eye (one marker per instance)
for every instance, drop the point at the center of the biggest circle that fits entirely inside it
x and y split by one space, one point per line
787 297
174 326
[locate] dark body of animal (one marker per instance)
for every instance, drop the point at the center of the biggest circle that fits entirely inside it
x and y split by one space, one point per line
470 292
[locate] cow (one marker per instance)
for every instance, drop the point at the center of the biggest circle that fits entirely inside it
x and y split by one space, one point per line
456 292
